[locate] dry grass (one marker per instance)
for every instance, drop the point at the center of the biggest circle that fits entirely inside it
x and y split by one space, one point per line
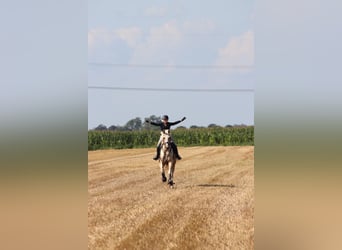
211 207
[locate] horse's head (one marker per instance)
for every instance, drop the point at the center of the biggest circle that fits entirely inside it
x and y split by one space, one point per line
166 139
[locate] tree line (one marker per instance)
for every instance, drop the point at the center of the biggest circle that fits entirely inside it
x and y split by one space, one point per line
137 124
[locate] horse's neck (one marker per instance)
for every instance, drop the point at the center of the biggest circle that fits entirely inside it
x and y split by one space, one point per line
166 132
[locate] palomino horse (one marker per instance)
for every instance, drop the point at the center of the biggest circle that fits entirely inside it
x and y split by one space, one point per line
167 157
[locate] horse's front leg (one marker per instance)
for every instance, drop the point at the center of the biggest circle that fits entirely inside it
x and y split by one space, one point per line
162 171
171 172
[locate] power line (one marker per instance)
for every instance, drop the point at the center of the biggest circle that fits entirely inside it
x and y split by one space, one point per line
179 66
169 89
147 33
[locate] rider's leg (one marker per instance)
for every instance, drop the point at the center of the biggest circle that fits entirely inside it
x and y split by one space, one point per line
157 153
174 146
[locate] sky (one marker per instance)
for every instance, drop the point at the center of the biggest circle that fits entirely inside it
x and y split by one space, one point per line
177 45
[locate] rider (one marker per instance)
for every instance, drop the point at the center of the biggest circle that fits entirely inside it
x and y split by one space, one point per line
165 124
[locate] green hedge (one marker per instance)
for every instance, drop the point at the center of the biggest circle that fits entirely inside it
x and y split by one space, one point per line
183 137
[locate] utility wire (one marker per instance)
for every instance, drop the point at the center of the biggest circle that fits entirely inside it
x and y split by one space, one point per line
170 89
145 33
172 66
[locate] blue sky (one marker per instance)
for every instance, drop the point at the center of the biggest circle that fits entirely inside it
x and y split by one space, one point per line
172 34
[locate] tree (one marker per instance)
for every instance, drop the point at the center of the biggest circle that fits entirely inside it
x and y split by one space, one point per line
101 127
112 128
213 125
134 124
239 125
181 127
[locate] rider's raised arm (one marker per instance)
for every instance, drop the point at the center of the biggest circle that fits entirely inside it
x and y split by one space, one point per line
176 122
154 123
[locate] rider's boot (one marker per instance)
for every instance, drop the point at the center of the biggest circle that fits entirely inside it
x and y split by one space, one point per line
158 154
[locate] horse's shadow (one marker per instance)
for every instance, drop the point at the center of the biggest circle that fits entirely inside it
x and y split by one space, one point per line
216 185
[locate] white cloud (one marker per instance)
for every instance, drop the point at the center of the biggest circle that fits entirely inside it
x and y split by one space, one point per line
155 11
130 35
97 39
166 44
238 51
99 36
91 39
202 26
160 45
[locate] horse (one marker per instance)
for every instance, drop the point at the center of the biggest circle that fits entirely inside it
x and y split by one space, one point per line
167 157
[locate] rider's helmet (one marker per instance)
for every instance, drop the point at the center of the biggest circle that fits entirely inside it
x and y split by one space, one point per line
165 117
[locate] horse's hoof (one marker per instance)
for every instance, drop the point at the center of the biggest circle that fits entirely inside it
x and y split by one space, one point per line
170 183
163 178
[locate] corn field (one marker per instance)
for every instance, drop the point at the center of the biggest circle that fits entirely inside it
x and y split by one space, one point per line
234 136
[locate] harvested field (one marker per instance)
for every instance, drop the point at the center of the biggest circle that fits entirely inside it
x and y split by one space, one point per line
211 206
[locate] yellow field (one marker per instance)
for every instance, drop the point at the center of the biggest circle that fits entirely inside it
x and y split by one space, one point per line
211 206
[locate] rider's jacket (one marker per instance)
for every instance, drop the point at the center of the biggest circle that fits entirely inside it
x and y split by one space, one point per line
164 126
